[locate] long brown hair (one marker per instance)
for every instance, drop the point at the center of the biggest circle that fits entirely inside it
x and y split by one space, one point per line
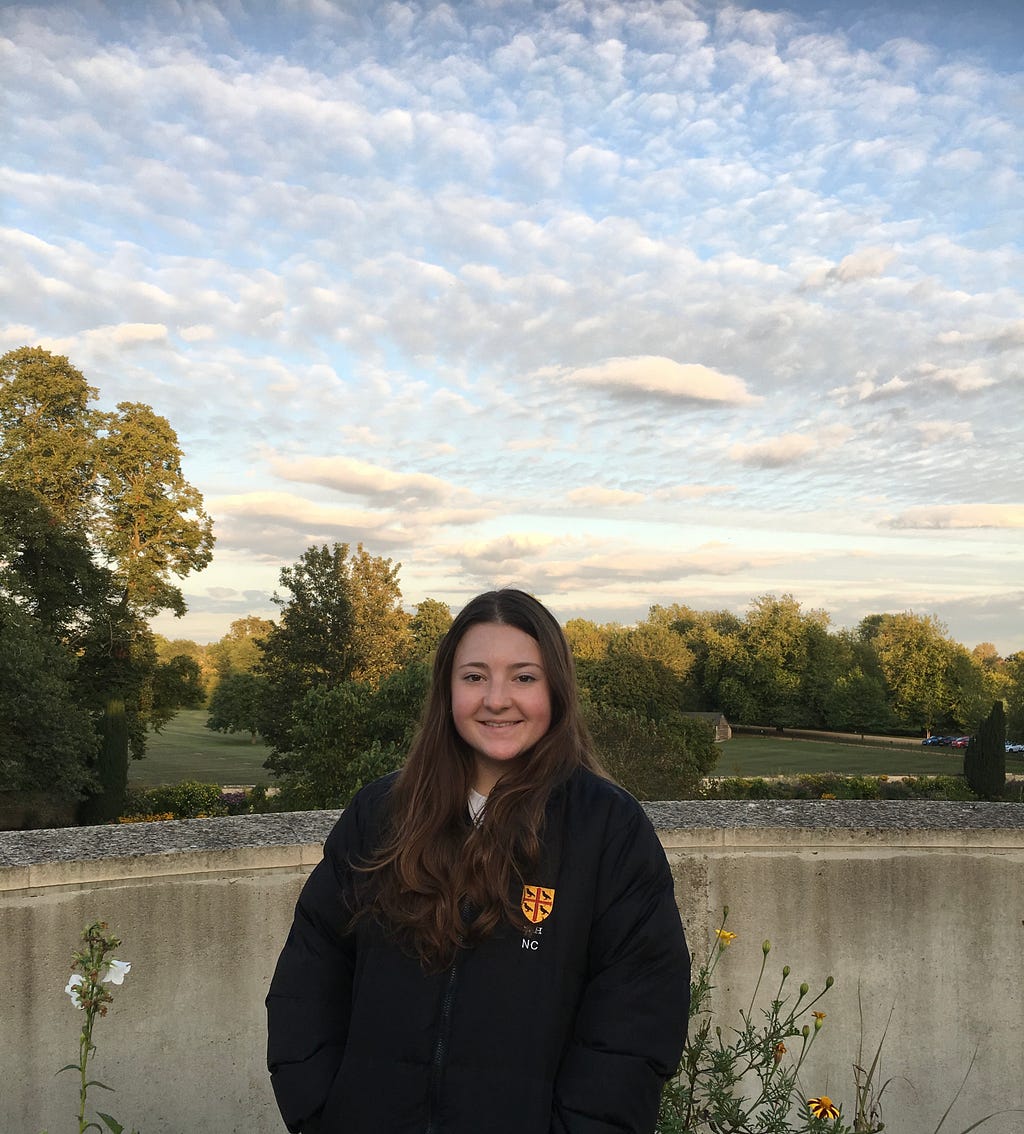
434 861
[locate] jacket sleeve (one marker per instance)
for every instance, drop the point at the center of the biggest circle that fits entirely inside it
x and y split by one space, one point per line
631 1023
309 1002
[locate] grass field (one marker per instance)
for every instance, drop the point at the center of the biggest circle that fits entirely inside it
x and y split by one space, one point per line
781 756
187 750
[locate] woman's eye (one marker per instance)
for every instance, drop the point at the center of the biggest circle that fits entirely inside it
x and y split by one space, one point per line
473 677
526 678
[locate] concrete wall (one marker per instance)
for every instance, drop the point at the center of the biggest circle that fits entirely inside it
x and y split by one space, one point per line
917 905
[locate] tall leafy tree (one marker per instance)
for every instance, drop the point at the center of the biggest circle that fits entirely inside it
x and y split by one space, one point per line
236 705
587 640
428 626
342 621
1014 696
112 483
985 757
239 650
150 524
778 637
858 700
48 433
914 655
49 737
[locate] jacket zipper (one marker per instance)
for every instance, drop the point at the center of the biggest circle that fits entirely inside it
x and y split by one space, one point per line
440 1051
441 1045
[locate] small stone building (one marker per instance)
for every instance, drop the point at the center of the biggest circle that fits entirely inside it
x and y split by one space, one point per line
723 730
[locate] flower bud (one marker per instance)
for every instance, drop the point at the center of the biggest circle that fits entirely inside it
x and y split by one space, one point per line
829 981
805 1031
766 946
785 970
804 988
818 1021
725 912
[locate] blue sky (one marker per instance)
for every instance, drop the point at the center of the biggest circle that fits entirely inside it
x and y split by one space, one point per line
625 303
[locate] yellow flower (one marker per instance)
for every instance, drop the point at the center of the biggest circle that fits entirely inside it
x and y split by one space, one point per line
823 1107
827 795
818 1015
780 1051
724 937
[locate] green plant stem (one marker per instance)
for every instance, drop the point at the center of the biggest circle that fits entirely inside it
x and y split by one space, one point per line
84 1049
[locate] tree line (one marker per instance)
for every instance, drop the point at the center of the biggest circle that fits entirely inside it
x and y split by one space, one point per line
336 683
97 521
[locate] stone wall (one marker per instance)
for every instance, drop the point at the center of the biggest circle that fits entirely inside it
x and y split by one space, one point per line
917 907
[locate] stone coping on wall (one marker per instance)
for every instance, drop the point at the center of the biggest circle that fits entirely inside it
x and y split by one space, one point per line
922 823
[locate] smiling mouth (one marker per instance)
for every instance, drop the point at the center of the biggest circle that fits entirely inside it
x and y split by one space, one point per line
499 724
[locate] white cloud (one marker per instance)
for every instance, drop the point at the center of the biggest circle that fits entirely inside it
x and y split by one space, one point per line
693 491
868 263
360 478
962 379
348 237
960 516
867 390
773 452
663 378
935 432
594 496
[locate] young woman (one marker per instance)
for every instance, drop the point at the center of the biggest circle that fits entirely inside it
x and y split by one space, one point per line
491 943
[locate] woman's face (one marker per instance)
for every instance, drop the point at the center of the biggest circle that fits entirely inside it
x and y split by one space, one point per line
501 700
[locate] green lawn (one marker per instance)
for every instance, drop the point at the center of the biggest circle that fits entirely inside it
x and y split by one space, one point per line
188 750
780 756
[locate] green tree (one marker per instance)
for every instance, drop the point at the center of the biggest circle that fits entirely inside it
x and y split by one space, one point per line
398 704
428 626
239 650
985 756
587 640
236 705
350 733
1013 669
49 738
46 567
777 636
381 636
151 524
651 761
968 687
633 683
177 684
914 655
715 639
113 483
342 622
48 433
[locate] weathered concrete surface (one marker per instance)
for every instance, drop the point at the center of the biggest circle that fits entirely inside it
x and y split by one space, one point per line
920 905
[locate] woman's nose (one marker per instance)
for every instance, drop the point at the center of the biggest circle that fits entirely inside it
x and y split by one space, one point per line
497 695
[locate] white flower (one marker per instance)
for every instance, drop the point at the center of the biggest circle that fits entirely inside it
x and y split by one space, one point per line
116 971
72 987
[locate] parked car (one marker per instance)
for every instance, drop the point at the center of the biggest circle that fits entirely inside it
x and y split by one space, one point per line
1013 746
960 742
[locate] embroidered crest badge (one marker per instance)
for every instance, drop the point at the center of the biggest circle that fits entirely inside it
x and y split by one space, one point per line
538 902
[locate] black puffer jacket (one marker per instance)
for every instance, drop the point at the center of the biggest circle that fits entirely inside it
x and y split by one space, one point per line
570 1028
